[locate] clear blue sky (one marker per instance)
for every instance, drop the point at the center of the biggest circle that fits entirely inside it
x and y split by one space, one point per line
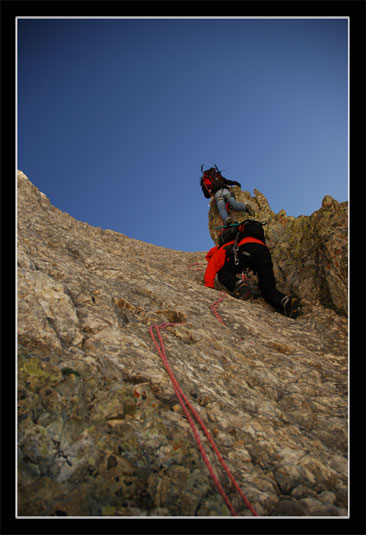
115 117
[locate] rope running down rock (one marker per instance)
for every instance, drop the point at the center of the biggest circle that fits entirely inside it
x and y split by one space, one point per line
186 406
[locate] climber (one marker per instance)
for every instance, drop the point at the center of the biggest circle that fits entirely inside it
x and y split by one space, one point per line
214 185
248 251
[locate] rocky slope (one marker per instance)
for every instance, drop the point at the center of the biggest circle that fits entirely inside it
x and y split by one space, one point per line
100 430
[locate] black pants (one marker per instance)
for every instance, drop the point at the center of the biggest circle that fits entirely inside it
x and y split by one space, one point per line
260 261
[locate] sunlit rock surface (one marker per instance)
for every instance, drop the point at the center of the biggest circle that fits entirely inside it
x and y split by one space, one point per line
100 430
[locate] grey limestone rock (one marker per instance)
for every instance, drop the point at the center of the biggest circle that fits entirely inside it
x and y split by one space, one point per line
100 430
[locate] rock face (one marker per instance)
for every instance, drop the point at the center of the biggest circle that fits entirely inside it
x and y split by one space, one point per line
310 253
100 430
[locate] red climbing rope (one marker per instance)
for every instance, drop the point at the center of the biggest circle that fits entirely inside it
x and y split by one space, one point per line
216 304
185 404
196 266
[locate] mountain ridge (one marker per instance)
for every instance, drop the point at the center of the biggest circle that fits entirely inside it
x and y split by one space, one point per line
100 429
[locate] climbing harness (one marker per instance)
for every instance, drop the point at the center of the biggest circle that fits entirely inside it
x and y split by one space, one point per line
186 406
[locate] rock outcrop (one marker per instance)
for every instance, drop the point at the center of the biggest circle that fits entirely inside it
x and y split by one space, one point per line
100 430
310 253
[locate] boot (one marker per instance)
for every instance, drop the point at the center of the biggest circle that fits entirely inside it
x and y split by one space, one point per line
290 307
241 290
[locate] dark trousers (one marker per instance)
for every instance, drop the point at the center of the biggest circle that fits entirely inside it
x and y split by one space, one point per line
260 261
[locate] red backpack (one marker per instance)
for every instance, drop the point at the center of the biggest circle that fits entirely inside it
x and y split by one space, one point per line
210 176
